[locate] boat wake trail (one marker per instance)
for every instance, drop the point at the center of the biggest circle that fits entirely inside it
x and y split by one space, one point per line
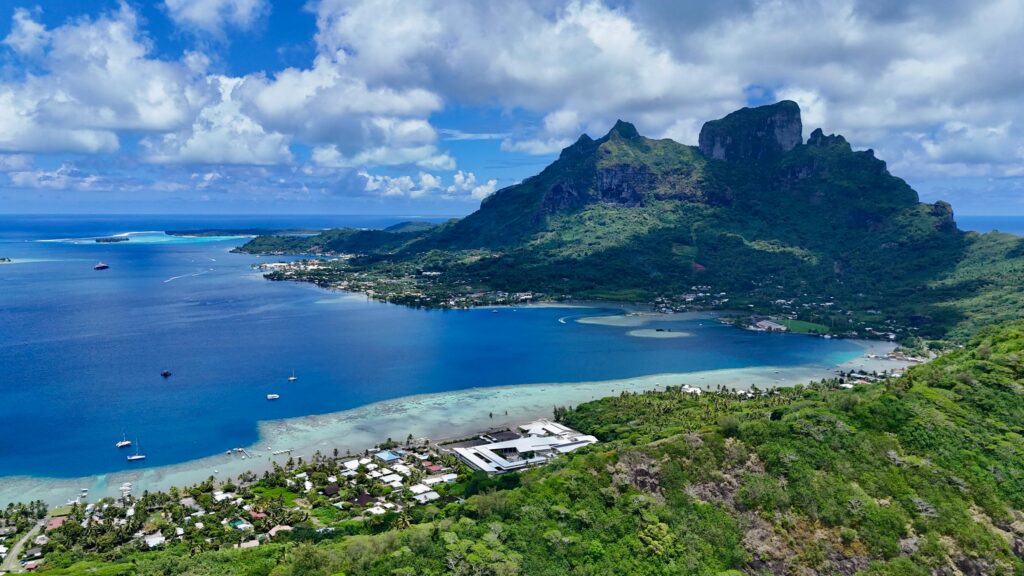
193 275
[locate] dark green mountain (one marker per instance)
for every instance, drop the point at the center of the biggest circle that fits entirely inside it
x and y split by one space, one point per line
754 212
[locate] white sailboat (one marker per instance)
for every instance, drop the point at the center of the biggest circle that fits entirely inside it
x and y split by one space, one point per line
137 455
124 442
293 377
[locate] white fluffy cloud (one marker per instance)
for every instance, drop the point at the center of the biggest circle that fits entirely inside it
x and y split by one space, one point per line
27 37
581 65
351 123
13 162
95 78
465 182
933 87
880 72
464 185
65 177
212 16
221 134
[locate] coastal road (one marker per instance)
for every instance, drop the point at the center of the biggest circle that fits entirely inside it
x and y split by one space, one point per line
11 562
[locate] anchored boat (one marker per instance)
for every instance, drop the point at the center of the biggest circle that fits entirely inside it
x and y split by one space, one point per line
137 455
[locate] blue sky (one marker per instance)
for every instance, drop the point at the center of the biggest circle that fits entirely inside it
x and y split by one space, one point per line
425 108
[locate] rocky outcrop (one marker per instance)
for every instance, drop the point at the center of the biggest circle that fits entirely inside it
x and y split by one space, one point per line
623 130
583 147
943 212
818 138
624 184
753 134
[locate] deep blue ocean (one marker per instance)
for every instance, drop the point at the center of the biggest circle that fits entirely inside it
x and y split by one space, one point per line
1008 224
82 350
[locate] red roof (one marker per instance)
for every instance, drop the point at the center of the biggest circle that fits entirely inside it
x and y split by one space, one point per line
257 514
56 522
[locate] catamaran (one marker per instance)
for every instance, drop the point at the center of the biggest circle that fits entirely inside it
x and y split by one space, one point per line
124 442
136 456
293 377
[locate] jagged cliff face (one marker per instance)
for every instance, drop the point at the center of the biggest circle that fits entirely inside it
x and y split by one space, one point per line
752 171
593 171
753 134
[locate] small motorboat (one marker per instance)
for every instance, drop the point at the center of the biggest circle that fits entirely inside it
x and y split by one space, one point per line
100 266
166 373
273 396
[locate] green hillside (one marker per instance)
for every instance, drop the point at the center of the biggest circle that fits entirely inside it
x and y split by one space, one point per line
920 475
756 213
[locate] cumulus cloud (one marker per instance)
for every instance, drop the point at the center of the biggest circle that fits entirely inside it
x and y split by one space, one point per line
390 185
221 134
213 16
878 72
464 186
579 65
65 177
932 87
427 156
95 77
351 123
22 130
10 162
458 135
27 37
465 182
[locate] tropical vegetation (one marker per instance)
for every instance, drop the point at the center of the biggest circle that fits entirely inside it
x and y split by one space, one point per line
922 474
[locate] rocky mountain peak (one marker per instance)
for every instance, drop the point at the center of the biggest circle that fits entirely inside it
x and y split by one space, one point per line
623 130
818 138
753 134
583 146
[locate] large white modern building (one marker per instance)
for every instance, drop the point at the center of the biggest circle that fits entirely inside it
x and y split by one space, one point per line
536 443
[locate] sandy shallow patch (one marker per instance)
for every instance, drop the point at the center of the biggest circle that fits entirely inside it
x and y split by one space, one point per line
443 415
655 333
640 319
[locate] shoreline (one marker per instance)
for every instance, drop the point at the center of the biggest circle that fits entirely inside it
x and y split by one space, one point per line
439 416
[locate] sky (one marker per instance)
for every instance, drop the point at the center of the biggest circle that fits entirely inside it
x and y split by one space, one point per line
425 107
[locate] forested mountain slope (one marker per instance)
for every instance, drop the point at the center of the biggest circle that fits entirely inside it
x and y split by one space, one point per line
755 212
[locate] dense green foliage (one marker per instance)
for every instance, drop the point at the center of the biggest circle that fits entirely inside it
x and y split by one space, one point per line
918 475
629 218
340 240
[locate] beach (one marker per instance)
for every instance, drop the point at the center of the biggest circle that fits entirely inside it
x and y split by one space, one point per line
444 415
